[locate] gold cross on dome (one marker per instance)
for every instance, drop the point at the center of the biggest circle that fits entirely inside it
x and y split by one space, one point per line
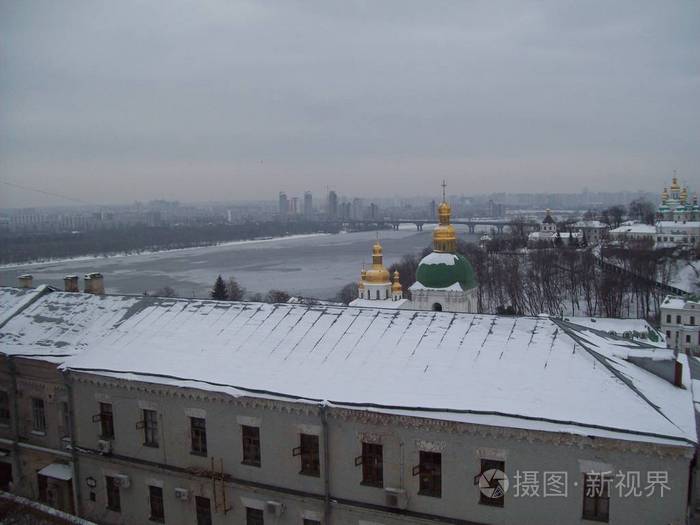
444 185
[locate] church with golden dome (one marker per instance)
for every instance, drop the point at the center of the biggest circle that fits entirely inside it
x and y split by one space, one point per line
676 204
445 280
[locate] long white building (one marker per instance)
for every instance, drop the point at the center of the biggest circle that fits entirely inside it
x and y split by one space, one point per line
181 411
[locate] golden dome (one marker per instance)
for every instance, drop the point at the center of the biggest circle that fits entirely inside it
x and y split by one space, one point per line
674 184
377 273
396 286
664 195
684 195
444 235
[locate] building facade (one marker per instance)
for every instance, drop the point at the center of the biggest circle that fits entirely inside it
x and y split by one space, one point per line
680 321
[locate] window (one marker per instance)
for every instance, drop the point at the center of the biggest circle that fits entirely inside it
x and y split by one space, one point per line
494 496
596 497
4 408
106 421
113 499
38 415
668 318
687 338
377 294
678 319
150 428
251 445
308 450
668 334
203 509
254 516
156 501
198 431
372 465
692 320
311 522
430 474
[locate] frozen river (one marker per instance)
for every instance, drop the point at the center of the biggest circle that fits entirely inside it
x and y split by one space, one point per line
313 266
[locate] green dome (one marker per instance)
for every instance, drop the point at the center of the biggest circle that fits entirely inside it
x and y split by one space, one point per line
442 270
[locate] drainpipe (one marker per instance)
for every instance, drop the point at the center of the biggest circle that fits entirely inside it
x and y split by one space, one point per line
77 500
16 463
326 461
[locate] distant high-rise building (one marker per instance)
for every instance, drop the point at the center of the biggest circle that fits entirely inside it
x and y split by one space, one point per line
332 204
283 204
308 204
357 209
294 206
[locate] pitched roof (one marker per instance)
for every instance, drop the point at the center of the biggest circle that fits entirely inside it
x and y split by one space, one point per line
522 372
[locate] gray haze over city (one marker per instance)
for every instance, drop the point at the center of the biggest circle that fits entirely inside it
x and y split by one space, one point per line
117 101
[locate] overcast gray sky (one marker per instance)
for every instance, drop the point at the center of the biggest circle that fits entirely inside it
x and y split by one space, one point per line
121 100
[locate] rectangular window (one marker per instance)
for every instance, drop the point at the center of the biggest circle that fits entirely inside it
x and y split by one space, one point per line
113 498
156 502
4 408
687 338
692 320
678 319
150 428
251 445
311 522
668 318
106 421
494 494
596 497
254 516
198 431
430 473
372 464
203 509
38 415
310 464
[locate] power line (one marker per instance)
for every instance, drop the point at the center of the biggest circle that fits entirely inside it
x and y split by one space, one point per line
50 193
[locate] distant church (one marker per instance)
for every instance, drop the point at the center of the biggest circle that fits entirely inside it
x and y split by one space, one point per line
445 280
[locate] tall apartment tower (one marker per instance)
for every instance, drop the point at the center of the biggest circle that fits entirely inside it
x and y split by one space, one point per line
332 204
308 204
283 204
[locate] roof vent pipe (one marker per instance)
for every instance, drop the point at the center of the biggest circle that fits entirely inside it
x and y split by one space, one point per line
678 376
25 281
70 283
94 283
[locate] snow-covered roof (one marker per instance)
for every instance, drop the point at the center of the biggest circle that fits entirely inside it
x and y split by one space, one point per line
519 372
590 224
454 287
679 225
678 303
377 303
635 228
450 259
637 329
60 324
12 300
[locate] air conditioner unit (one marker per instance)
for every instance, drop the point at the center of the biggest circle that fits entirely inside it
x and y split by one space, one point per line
65 443
275 508
104 446
395 498
182 494
122 481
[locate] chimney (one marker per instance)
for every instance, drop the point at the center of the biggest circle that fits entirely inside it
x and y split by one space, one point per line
678 376
25 281
70 283
94 283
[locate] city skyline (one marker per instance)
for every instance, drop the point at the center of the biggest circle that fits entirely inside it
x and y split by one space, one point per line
121 102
